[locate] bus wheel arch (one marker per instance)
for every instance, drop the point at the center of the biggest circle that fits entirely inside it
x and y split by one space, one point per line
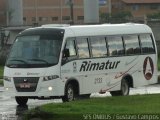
71 90
126 83
129 79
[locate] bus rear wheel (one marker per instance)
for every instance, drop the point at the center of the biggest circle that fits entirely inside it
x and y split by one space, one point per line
124 89
69 94
21 100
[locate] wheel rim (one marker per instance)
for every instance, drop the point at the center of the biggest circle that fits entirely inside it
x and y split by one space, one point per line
70 94
124 88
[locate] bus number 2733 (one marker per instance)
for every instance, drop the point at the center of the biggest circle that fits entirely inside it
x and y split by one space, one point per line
98 80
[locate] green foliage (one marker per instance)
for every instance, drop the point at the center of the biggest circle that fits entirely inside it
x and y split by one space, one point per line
1 82
118 17
104 17
1 75
122 15
1 71
154 15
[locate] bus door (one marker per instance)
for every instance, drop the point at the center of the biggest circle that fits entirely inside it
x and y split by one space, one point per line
69 67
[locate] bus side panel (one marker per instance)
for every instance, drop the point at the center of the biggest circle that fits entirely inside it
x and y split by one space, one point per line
101 74
144 66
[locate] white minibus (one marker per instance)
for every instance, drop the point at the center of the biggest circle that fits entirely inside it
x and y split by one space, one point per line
62 61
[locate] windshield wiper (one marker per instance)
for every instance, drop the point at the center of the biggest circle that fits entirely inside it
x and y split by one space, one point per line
41 60
19 60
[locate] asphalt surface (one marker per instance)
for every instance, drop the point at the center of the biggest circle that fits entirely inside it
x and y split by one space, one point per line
9 110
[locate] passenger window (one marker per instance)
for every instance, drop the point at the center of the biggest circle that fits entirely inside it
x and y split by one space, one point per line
98 46
147 44
132 44
70 45
115 46
83 50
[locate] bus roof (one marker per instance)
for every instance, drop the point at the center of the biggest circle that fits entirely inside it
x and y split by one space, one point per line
103 29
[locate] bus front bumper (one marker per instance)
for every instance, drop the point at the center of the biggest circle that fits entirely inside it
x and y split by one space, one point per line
47 89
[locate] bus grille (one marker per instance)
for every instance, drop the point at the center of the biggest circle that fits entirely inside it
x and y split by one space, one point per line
26 84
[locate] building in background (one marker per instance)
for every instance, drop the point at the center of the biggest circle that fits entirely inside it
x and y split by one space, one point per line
37 12
138 8
14 13
2 12
54 11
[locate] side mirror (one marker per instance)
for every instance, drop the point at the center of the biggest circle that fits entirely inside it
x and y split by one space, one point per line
66 53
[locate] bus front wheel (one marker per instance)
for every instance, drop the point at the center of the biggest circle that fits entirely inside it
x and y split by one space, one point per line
69 94
21 100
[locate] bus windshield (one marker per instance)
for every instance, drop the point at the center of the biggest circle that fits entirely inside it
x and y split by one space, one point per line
35 51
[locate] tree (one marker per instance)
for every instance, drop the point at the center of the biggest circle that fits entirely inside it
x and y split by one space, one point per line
116 17
154 16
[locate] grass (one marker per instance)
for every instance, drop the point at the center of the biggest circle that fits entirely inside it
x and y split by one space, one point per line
139 104
1 75
1 82
1 71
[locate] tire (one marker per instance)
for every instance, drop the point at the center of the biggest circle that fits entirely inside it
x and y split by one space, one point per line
21 100
69 94
124 89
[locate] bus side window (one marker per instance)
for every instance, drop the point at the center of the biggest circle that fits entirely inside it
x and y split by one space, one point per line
115 46
132 44
70 49
98 46
83 50
147 43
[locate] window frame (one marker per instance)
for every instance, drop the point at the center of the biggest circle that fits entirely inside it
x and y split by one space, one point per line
132 54
118 55
74 40
106 45
153 43
89 46
88 41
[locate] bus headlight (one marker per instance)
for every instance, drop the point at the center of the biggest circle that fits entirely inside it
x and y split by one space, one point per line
7 78
46 78
50 88
6 88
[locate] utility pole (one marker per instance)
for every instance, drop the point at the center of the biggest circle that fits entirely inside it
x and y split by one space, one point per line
61 11
109 9
71 12
7 13
36 13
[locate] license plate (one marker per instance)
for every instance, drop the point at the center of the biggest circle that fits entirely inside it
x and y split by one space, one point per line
25 85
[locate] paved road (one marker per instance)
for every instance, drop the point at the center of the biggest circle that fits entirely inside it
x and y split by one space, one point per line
10 110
